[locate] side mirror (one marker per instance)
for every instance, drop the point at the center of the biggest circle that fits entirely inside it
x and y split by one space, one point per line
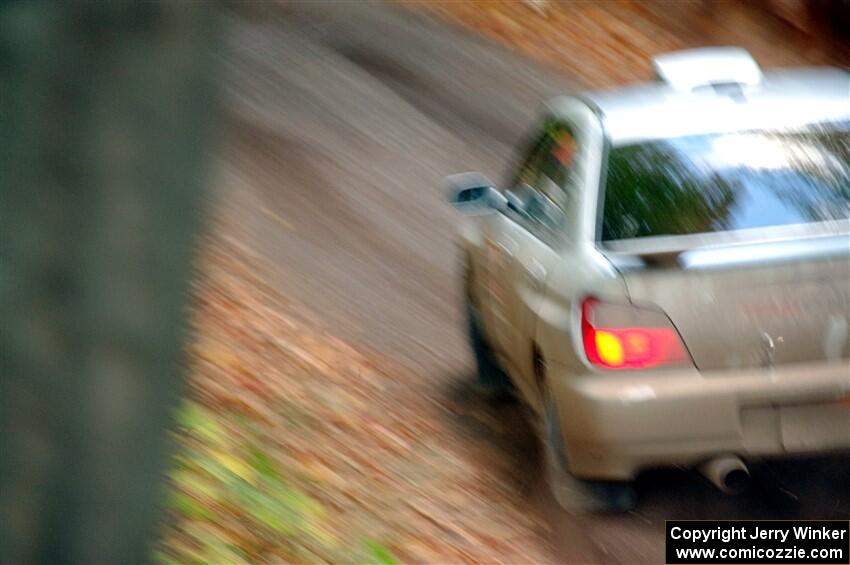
473 193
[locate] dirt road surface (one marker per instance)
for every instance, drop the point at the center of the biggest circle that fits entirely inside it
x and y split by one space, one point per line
342 119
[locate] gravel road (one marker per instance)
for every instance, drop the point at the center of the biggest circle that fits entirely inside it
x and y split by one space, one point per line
342 119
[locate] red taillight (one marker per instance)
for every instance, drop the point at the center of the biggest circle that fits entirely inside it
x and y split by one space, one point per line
619 336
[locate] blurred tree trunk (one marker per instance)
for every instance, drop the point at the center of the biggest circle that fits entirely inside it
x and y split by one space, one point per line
104 116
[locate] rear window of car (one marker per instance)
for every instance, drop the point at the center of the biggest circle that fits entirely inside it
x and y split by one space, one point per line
727 181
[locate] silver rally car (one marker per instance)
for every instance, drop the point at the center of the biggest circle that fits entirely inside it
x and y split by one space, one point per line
665 278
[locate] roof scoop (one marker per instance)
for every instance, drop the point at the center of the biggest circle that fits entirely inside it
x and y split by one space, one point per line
712 66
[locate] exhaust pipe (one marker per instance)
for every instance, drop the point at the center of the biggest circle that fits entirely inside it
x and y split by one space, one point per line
728 473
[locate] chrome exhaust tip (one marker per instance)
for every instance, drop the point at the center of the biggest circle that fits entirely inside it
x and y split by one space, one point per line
728 473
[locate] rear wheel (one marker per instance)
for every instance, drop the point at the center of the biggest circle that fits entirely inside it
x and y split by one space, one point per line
576 495
490 377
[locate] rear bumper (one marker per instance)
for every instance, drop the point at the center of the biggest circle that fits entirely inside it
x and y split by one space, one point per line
615 424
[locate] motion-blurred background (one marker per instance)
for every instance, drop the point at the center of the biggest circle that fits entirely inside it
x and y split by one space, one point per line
231 325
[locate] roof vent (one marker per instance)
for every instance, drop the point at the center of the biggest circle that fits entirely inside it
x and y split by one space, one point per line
713 66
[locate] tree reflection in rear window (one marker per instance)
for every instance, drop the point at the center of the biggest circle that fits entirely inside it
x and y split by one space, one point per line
728 181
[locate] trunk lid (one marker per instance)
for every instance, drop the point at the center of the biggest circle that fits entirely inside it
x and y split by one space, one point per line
745 304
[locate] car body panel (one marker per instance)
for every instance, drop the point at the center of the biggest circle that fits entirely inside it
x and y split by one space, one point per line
753 315
622 423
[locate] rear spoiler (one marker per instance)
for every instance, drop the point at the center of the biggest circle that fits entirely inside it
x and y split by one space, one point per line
635 255
691 253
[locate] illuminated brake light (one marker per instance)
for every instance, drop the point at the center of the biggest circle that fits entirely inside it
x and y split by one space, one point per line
609 348
627 346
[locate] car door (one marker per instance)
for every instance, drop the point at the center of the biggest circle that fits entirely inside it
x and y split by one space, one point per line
502 235
528 245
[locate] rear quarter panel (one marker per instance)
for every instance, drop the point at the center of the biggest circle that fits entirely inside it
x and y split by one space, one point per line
582 271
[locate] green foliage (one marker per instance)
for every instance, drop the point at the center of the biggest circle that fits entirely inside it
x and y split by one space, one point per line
381 555
263 465
234 503
189 506
199 421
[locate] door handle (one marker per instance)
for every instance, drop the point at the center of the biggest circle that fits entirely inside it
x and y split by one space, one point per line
536 274
507 249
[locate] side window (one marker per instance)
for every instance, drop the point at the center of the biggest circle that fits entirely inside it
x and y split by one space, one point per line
544 179
528 174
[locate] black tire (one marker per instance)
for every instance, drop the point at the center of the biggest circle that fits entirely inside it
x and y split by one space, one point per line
490 376
577 496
